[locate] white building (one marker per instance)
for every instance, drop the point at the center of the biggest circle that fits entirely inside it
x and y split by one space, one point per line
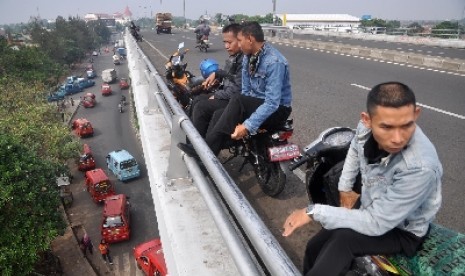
119 17
329 22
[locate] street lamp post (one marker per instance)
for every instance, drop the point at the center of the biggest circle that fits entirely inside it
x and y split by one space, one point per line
274 12
184 13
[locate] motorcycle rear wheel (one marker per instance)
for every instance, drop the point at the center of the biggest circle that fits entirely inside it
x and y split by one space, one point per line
270 176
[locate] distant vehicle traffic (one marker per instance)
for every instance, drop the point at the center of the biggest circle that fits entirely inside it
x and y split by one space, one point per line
123 83
88 100
115 225
85 83
98 185
163 22
86 160
106 89
83 128
109 75
123 165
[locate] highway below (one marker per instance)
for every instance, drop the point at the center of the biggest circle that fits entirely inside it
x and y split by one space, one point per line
113 131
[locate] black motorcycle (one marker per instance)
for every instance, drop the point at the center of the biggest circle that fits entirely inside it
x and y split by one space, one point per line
203 43
324 158
269 153
182 83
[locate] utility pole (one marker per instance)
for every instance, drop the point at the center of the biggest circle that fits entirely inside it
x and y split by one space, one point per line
274 12
184 14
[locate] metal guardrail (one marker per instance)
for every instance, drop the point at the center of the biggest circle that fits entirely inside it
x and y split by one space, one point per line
264 243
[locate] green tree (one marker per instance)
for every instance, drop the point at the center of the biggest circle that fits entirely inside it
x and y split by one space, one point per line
393 24
29 204
28 64
375 22
415 27
447 29
100 33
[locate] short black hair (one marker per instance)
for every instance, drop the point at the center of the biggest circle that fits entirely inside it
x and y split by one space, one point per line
234 28
390 94
254 29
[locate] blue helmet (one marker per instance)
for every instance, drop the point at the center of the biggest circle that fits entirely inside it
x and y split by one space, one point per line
208 66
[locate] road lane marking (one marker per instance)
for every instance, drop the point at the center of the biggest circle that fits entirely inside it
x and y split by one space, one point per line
420 104
158 51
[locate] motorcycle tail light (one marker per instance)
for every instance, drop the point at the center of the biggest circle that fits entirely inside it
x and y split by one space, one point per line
282 135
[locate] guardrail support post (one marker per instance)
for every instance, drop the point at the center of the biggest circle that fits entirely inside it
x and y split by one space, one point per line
176 166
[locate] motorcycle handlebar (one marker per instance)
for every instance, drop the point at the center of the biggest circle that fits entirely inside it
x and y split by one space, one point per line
295 164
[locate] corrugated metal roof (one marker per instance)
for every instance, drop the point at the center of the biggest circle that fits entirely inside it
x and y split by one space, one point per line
319 17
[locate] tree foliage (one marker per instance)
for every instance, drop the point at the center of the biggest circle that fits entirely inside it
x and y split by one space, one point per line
28 64
34 145
375 22
415 27
68 41
29 203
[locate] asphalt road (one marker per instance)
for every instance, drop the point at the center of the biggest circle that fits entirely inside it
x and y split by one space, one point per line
112 131
397 46
330 90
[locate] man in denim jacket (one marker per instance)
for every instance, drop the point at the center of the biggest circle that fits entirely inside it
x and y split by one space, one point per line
401 188
265 100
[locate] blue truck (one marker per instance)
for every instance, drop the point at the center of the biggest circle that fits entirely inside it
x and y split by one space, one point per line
123 165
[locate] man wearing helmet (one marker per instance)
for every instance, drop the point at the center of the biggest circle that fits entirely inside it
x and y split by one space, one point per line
202 30
208 107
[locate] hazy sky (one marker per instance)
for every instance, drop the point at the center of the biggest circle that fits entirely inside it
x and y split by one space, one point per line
16 11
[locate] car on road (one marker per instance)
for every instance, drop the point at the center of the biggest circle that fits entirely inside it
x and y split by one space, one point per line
98 185
106 89
150 259
94 53
56 96
82 127
88 100
91 73
71 88
109 75
85 83
86 160
123 83
123 165
115 225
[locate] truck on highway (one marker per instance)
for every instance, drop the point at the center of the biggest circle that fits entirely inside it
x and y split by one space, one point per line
163 22
109 75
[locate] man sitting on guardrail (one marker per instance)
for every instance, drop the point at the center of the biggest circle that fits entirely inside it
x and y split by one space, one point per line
265 100
401 188
209 107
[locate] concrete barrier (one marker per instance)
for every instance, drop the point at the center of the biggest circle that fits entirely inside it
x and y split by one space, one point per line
376 53
388 55
462 67
451 65
432 62
400 57
416 60
364 52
